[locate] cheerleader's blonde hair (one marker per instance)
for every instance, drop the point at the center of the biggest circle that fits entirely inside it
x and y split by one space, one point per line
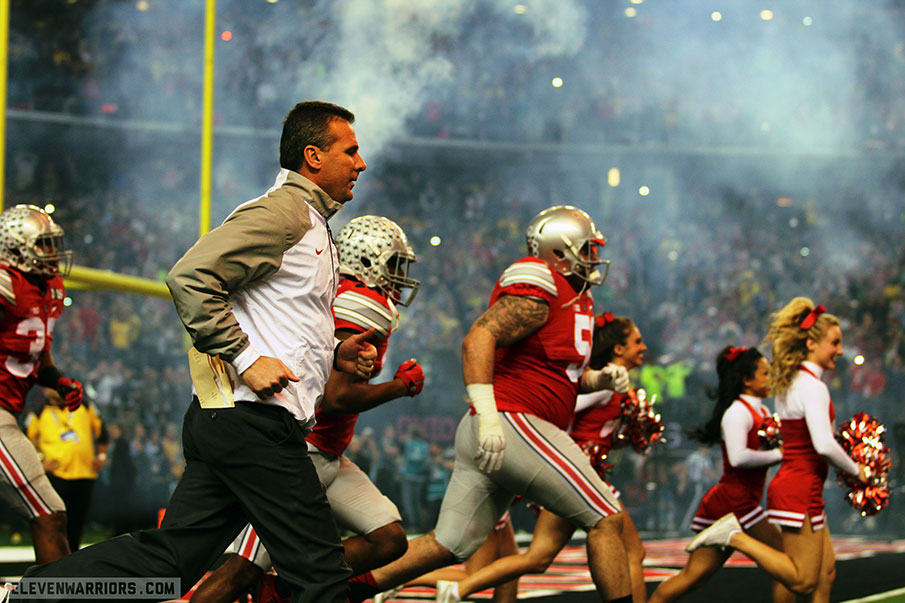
789 340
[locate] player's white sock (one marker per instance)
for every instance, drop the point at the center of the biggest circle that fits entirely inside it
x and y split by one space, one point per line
448 592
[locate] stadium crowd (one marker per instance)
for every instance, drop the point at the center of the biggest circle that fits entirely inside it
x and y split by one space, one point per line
126 60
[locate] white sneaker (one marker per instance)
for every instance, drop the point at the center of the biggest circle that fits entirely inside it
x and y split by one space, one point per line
6 590
385 596
717 534
447 592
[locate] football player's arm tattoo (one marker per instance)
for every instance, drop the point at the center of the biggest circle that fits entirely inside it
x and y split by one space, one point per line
514 317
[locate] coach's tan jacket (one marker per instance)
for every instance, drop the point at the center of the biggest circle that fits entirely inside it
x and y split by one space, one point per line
262 284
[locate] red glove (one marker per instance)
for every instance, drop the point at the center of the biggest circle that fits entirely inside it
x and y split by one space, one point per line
411 374
71 392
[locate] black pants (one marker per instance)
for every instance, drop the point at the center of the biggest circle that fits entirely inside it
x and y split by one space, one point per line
248 463
76 495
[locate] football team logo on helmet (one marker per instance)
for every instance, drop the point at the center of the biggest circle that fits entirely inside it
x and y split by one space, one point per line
566 238
32 242
376 251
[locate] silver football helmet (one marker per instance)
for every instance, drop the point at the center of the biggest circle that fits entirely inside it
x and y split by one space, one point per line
376 251
566 238
32 242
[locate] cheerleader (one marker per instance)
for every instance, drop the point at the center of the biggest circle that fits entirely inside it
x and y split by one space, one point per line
806 343
739 412
619 342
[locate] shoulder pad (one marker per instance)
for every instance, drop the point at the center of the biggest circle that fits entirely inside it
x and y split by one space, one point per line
364 308
524 272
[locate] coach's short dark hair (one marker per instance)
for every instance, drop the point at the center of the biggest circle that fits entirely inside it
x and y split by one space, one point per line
308 123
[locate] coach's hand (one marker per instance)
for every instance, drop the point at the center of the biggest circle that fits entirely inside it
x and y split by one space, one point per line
355 355
267 377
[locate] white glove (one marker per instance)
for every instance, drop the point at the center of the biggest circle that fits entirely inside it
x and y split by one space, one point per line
491 442
612 377
618 376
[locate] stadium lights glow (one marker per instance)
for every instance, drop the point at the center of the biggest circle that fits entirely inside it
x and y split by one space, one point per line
716 15
435 241
793 222
142 5
636 1
67 301
519 9
644 191
673 255
273 1
557 82
805 252
859 359
613 177
807 21
226 36
766 14
631 11
50 208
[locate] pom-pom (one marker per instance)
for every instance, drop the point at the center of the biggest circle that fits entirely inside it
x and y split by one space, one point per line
598 457
862 438
769 432
641 425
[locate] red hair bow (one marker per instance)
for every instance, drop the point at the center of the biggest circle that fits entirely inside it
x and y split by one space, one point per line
734 353
811 318
604 319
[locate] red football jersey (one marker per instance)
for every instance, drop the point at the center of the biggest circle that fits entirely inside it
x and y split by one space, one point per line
539 374
357 308
31 306
599 423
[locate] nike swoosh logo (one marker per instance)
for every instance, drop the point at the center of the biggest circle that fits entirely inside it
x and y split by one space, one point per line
319 251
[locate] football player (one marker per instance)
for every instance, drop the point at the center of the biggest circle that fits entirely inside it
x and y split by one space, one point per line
33 260
597 420
374 256
524 363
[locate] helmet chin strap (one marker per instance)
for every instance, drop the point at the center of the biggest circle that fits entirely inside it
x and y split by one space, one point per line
584 287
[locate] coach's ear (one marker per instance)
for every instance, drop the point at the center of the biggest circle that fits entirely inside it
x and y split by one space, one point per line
312 157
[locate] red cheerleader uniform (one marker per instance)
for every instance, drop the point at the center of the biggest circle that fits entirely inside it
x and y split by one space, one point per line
807 416
741 486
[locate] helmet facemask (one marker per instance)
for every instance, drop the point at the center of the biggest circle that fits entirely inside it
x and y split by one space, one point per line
583 261
393 280
50 255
